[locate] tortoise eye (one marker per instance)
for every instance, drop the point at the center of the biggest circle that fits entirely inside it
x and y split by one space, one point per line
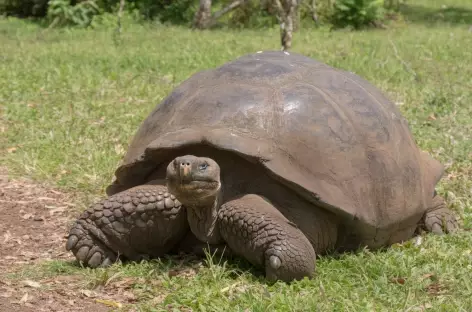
203 166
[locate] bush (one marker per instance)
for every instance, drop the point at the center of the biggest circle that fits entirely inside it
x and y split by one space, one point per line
178 11
357 13
172 11
62 12
24 8
252 14
79 12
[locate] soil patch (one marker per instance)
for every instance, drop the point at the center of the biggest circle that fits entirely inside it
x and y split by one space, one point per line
33 227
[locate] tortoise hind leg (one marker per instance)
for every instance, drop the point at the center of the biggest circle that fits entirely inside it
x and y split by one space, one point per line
142 222
438 218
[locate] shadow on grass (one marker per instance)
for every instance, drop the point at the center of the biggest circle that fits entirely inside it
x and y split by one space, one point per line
182 265
433 16
170 266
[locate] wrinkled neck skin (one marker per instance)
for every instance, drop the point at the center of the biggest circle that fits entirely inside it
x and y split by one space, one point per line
202 217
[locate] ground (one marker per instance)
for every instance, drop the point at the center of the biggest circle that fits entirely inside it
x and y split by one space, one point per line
33 219
71 100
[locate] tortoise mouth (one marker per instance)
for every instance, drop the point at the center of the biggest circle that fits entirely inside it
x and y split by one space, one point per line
191 184
196 181
194 192
192 179
195 184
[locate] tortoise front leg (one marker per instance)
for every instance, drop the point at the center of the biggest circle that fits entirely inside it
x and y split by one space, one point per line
142 222
255 229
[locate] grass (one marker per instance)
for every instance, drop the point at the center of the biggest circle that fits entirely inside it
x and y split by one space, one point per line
72 99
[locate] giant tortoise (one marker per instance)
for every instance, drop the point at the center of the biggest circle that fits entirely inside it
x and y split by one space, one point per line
276 157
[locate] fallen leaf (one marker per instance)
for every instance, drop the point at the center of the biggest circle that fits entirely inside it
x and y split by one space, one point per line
124 283
423 307
7 236
6 295
54 209
242 288
119 150
27 216
418 241
398 280
158 299
114 276
45 198
24 298
109 303
86 293
155 283
225 289
435 289
30 283
129 296
428 275
266 293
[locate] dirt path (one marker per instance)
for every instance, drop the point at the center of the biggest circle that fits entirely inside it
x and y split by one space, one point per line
33 221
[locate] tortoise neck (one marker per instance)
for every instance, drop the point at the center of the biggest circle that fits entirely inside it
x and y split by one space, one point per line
202 218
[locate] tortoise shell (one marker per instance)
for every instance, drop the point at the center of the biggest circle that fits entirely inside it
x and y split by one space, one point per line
326 133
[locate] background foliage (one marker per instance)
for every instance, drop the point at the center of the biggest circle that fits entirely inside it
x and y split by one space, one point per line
252 14
357 13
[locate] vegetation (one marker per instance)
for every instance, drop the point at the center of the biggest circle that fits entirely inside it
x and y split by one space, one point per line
72 98
229 13
357 13
204 14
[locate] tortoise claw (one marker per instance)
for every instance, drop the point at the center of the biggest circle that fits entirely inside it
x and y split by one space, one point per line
86 248
71 242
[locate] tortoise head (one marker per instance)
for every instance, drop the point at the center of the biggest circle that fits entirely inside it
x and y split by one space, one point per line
195 181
